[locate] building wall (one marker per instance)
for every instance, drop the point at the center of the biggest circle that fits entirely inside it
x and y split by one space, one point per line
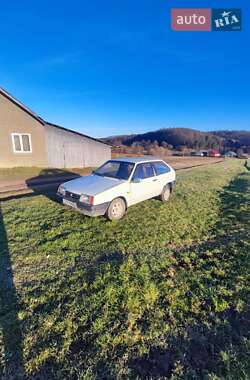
68 150
14 120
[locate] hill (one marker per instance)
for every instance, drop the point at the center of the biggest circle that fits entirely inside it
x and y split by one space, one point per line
185 137
235 139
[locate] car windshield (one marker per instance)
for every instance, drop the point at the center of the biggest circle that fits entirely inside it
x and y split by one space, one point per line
115 169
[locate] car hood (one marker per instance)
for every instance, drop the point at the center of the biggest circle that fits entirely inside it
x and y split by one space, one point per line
91 184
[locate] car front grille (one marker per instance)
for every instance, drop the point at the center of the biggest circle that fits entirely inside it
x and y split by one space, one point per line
72 196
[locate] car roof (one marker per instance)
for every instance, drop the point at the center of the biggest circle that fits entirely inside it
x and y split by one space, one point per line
136 160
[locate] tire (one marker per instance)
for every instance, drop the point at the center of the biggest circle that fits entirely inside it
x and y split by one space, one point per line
116 209
165 195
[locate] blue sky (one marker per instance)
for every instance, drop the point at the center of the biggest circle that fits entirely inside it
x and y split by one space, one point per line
113 67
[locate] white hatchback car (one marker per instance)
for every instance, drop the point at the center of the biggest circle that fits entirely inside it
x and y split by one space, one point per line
117 185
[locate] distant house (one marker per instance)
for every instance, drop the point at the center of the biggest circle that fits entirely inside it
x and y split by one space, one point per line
230 153
214 153
28 140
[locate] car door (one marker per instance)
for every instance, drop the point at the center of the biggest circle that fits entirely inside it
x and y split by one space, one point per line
163 175
142 184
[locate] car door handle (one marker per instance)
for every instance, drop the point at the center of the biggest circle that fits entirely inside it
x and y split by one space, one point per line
154 180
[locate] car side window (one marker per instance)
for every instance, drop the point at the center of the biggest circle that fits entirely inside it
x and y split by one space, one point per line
161 168
148 170
139 173
143 171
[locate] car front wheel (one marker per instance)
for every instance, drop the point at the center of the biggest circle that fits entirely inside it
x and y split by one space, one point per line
116 209
166 192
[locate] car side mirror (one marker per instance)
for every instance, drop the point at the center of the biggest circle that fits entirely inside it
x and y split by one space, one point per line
136 180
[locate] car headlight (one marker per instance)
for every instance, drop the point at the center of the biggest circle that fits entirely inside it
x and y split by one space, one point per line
61 190
88 199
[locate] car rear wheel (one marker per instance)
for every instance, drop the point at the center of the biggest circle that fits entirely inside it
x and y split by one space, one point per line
166 192
116 209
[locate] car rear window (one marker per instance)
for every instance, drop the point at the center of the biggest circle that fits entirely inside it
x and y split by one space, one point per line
161 168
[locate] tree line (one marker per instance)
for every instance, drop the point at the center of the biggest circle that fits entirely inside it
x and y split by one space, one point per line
182 139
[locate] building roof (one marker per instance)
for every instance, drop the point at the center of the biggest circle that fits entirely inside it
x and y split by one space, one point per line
21 105
136 160
42 121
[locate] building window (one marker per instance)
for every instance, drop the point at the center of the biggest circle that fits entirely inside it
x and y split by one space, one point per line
21 142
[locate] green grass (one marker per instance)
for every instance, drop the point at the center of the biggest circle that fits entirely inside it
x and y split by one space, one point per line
161 294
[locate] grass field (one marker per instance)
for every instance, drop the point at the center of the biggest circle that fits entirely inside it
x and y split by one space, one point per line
163 293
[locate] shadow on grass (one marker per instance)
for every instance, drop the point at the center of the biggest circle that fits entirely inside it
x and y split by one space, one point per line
198 344
11 367
208 340
218 346
49 189
46 183
50 177
83 348
247 166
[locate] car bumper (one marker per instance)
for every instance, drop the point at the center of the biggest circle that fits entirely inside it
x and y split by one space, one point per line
89 210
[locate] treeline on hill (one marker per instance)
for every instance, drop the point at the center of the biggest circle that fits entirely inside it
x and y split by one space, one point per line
181 139
235 139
